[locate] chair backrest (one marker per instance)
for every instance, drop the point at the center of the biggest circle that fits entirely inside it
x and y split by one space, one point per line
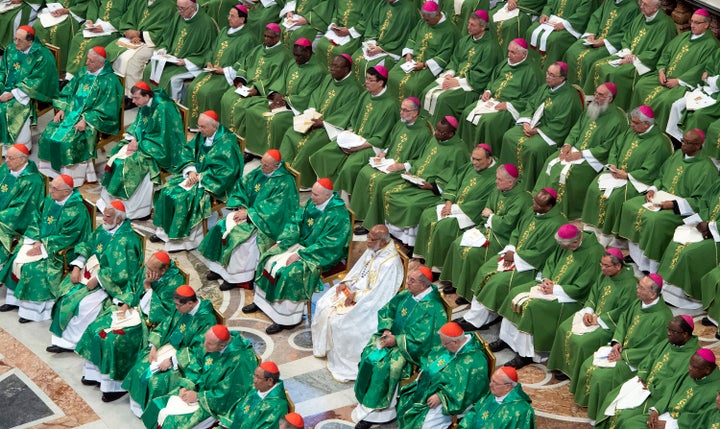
185 115
295 174
488 354
92 211
104 139
406 263
291 404
186 276
334 274
55 50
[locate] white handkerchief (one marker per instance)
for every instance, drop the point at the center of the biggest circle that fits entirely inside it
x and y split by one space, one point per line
600 357
578 326
473 238
413 179
242 91
349 140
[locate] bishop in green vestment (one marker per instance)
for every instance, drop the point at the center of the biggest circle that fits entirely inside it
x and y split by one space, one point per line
512 84
315 240
270 120
20 13
333 98
371 120
513 28
346 27
681 60
467 73
584 153
262 407
505 406
234 41
33 273
153 141
603 36
27 73
454 376
159 278
610 295
307 17
465 196
687 175
210 163
151 377
407 332
405 143
634 162
546 121
214 374
87 106
643 41
60 34
262 203
641 328
22 191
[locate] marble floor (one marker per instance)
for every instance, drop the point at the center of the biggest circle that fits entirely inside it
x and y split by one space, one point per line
43 390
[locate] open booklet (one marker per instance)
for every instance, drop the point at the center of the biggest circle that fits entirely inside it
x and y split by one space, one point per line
107 29
415 180
657 200
45 15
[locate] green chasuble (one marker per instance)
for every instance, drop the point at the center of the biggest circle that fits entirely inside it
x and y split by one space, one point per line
659 370
514 412
706 118
562 108
317 13
607 23
182 331
205 91
710 287
641 156
573 271
57 227
351 14
144 16
333 99
323 234
710 418
459 379
301 80
110 11
372 119
158 130
683 58
219 165
7 20
687 178
405 143
254 412
516 27
93 97
261 68
426 43
462 262
387 26
34 73
608 299
575 14
219 378
534 241
459 12
469 189
405 202
119 255
21 196
515 84
594 139
414 323
270 202
61 34
639 331
645 40
472 63
191 40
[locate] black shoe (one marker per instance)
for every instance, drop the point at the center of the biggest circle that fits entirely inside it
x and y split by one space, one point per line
560 376
58 349
250 308
360 230
213 276
155 239
229 286
362 424
498 345
465 325
628 260
128 104
112 396
487 326
519 362
23 320
62 84
87 382
8 307
705 320
276 327
447 290
461 301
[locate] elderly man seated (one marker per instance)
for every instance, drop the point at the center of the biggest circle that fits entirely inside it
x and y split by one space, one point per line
261 204
153 141
506 405
210 164
102 268
23 190
33 274
87 106
346 316
405 335
289 272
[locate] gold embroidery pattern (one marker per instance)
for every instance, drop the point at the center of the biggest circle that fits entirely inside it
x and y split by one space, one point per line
676 60
506 80
675 412
368 110
466 67
592 126
398 149
106 12
579 61
427 161
466 190
626 157
606 291
676 255
568 262
606 30
631 330
525 235
650 97
673 184
518 152
637 39
638 218
181 40
385 25
328 98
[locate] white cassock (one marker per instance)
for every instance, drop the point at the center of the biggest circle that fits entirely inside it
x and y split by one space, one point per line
342 332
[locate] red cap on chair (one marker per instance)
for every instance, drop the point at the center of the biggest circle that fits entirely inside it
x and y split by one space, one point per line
212 115
100 51
427 272
270 367
117 205
68 180
27 29
303 42
295 419
22 148
142 85
221 332
275 154
510 372
163 257
512 170
185 290
325 183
